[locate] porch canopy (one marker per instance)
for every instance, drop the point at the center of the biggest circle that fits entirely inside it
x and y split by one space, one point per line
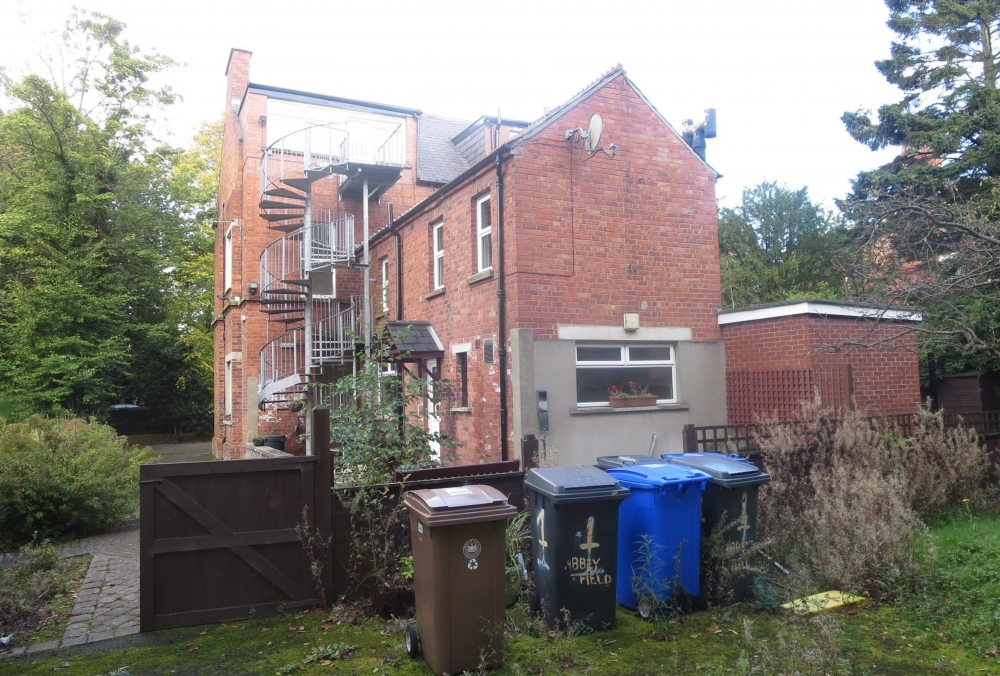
416 342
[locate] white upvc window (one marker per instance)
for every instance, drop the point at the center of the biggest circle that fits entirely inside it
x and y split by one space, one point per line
227 245
484 230
600 367
438 235
385 284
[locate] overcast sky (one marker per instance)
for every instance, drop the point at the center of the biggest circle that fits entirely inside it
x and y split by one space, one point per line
779 72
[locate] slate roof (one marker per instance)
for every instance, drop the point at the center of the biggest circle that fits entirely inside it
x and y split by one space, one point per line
438 159
415 339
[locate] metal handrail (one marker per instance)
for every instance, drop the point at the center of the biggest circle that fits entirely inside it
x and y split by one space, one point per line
318 147
332 340
331 242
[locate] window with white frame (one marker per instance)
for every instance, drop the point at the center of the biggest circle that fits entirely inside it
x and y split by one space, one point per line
644 367
385 284
484 230
438 236
228 255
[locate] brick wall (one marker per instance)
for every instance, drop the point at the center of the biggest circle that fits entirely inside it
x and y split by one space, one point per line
586 239
886 377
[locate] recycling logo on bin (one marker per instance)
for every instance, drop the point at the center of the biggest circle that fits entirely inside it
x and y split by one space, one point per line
472 549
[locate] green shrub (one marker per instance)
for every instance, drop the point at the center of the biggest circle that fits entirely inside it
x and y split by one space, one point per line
24 588
64 477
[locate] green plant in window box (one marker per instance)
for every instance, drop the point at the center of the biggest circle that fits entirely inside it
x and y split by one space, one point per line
635 395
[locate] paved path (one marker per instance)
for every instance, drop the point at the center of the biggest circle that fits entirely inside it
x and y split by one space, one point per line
107 605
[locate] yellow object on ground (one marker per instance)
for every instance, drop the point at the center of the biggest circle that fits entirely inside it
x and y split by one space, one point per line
823 603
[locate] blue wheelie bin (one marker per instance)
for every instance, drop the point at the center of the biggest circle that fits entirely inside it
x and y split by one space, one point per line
665 505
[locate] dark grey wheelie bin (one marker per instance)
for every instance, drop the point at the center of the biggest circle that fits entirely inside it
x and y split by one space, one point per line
731 495
574 519
608 461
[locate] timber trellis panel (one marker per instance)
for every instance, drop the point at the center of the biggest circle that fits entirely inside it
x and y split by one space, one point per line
778 395
217 539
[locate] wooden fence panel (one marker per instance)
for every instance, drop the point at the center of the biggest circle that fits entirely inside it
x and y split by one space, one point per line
218 542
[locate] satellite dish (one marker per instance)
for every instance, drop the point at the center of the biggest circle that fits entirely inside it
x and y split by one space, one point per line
594 133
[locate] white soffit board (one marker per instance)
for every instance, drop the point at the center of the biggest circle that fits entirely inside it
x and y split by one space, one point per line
617 333
827 309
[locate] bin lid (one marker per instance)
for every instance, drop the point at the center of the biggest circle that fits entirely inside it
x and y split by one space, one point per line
725 470
626 460
459 504
579 483
657 476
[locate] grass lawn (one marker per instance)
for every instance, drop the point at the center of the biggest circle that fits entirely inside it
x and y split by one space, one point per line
948 625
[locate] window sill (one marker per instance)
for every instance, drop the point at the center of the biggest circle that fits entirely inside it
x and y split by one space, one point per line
480 277
435 293
605 410
460 409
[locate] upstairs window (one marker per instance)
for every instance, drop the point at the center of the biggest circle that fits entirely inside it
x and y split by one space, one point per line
484 228
438 234
385 284
599 367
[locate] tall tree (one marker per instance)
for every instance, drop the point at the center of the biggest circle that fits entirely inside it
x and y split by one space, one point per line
927 223
947 64
90 228
778 245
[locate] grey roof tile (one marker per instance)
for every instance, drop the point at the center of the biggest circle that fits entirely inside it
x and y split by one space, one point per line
438 159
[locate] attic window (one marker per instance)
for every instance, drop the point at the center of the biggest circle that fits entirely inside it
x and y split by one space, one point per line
488 352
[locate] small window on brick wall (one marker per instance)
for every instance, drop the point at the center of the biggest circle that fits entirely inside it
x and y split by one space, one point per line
484 230
385 284
462 359
438 231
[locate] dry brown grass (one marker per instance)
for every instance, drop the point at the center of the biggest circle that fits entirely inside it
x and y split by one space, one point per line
846 499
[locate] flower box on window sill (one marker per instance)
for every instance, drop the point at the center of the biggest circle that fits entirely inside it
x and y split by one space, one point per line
632 402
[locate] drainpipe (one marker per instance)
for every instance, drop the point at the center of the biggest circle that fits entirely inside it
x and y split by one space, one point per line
501 310
399 267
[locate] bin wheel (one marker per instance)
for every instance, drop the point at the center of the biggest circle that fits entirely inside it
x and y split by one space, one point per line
645 607
412 641
533 603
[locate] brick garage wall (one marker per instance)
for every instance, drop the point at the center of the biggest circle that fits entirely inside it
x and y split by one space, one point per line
886 377
586 241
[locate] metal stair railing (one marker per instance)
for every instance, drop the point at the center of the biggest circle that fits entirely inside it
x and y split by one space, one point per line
284 363
332 242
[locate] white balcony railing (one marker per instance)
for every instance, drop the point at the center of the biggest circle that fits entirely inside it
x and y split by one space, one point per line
322 147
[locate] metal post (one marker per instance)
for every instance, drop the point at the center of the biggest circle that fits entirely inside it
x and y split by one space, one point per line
307 312
367 267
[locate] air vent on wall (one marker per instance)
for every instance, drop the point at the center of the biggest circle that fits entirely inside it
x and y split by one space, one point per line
488 351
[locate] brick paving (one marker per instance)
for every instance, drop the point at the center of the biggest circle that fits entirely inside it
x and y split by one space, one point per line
107 605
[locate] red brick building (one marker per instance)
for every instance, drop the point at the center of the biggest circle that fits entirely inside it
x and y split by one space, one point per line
780 354
540 265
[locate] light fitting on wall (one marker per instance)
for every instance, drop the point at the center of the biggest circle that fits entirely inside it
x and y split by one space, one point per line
253 288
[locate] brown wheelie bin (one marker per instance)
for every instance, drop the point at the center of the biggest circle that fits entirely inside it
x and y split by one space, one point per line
459 552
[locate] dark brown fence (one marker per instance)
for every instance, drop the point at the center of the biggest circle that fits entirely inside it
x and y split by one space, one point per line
778 394
218 541
504 476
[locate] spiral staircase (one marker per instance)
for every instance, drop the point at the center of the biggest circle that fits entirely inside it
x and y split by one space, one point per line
299 179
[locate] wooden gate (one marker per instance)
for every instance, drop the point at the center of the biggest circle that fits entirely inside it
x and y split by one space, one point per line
218 540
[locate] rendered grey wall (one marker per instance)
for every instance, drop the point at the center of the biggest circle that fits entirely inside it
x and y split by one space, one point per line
578 436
